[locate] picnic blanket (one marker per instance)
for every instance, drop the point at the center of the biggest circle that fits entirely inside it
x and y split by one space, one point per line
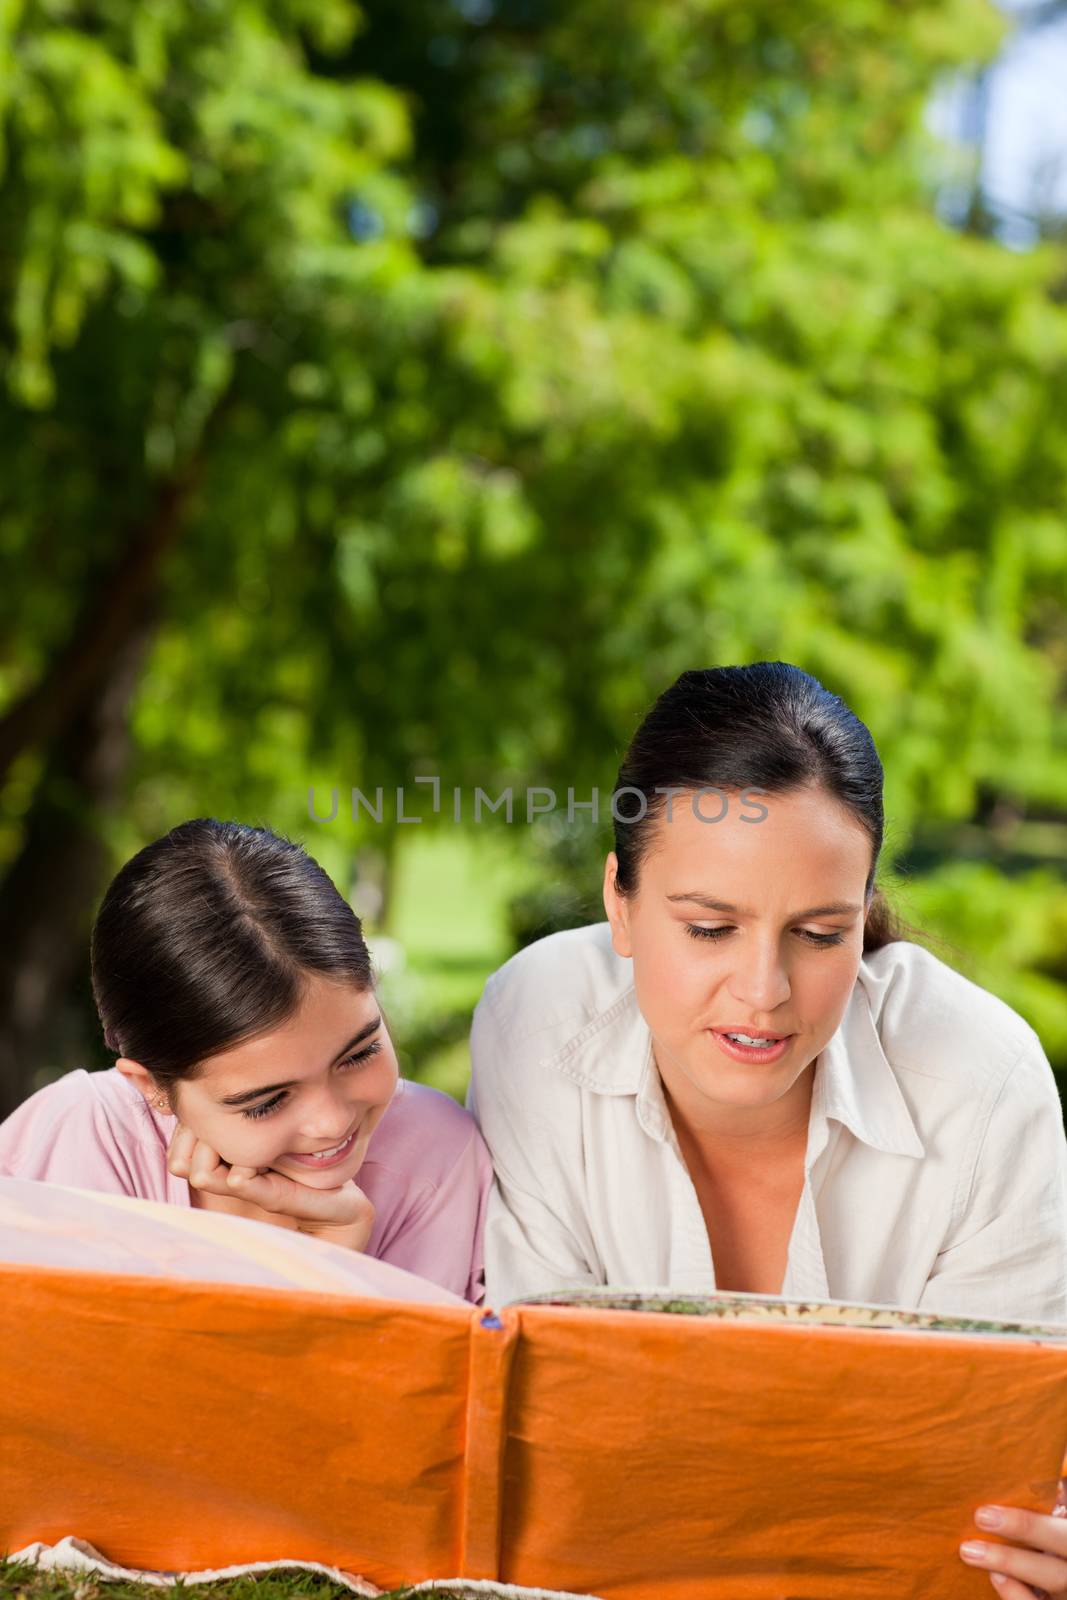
77 1555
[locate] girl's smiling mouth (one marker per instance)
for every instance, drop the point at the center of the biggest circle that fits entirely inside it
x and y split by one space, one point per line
325 1158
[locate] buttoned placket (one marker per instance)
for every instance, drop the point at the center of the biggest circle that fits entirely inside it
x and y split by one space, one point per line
805 1270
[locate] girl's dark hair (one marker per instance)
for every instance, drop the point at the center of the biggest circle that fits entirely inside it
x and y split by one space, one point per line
767 726
208 936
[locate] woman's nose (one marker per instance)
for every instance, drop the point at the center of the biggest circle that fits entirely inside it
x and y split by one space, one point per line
759 979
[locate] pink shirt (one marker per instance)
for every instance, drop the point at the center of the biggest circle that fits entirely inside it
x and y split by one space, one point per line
426 1171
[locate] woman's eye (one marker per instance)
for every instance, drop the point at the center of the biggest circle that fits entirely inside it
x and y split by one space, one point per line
265 1107
698 932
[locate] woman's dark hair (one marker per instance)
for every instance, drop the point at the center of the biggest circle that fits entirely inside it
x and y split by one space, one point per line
208 937
767 726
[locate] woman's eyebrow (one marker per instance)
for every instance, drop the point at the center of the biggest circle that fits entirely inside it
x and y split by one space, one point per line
839 908
270 1088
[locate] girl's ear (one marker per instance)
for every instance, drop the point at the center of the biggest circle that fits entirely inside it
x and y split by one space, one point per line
139 1076
617 907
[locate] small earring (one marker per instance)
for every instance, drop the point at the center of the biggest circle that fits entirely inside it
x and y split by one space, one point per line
162 1104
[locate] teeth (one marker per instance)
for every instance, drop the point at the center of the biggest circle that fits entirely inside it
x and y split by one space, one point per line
743 1038
324 1155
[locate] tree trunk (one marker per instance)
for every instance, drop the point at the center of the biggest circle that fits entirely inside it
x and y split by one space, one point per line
49 893
79 715
108 615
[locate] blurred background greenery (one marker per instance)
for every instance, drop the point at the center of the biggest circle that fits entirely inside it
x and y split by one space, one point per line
415 389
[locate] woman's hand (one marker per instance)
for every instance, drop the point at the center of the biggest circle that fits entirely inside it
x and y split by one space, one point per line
342 1216
1038 1570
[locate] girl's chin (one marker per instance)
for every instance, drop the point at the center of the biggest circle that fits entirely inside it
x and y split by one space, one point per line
321 1177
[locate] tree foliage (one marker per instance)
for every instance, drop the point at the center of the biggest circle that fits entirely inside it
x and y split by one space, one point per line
420 388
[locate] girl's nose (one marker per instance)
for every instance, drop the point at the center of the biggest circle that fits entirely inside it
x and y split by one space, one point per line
329 1119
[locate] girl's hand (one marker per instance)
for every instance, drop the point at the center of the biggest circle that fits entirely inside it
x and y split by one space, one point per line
1038 1570
342 1216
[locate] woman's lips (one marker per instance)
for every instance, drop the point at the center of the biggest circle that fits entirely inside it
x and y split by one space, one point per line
750 1053
324 1162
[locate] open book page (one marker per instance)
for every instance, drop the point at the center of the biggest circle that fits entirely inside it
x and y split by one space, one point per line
730 1306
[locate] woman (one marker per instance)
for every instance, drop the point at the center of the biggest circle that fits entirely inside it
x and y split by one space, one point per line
255 1072
748 1078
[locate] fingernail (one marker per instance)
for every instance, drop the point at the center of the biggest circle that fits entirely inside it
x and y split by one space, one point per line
999 1579
989 1517
236 1177
971 1551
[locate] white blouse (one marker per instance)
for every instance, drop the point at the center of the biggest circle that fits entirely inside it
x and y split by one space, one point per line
936 1169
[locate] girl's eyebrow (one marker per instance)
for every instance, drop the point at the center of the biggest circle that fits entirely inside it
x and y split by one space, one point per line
269 1088
838 909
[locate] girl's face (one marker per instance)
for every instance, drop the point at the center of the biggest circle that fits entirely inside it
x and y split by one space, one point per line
324 1076
749 926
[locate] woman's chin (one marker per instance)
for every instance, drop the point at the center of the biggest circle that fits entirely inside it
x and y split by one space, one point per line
742 1088
743 1095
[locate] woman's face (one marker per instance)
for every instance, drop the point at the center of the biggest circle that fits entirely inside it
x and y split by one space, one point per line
779 961
325 1074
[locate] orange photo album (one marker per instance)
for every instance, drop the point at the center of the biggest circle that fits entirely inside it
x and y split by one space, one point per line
621 1445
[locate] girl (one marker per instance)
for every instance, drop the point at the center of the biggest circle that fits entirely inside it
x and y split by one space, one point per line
255 1072
748 1078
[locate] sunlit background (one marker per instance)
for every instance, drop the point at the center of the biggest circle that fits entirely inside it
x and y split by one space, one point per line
415 390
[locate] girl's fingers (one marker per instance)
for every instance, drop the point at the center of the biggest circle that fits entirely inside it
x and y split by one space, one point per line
274 1191
180 1150
192 1158
202 1175
249 1183
207 1170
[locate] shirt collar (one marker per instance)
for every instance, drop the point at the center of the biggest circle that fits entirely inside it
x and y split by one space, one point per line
854 1080
856 1084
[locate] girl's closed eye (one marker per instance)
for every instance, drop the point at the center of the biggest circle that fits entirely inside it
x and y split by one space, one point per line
265 1107
697 932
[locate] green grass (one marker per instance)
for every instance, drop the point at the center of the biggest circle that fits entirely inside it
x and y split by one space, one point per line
450 900
450 916
21 1580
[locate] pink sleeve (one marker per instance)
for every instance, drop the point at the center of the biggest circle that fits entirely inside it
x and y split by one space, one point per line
441 1236
62 1134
